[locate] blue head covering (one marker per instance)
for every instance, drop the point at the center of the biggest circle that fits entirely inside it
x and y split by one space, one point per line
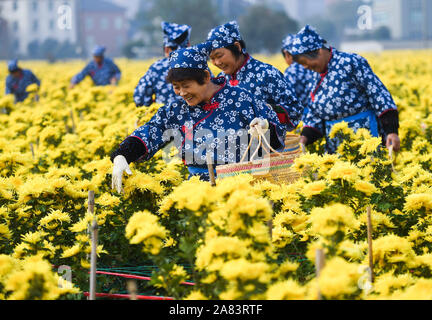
173 31
306 40
13 65
99 51
223 36
287 42
190 58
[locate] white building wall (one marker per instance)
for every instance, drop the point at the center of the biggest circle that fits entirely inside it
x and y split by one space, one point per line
28 23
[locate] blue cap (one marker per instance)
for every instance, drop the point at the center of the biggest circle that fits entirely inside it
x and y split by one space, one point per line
306 40
224 35
190 58
13 65
99 51
173 31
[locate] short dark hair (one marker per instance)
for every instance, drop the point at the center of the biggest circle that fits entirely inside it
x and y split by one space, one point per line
235 50
311 54
182 74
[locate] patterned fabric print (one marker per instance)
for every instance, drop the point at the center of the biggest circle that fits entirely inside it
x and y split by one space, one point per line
224 35
190 57
268 84
306 40
172 31
196 128
350 87
18 86
287 42
301 79
101 75
153 82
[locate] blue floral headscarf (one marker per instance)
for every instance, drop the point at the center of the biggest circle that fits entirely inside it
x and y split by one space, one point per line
99 51
190 58
306 40
13 65
223 36
172 31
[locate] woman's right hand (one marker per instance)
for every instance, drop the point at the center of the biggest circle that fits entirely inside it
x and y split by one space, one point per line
303 140
120 165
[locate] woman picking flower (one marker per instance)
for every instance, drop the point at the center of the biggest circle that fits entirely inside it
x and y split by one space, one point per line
346 90
209 117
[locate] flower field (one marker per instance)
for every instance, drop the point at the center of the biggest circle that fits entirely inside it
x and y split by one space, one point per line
237 240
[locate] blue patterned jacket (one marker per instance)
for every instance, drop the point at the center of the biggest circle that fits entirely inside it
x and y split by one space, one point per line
100 74
18 86
349 90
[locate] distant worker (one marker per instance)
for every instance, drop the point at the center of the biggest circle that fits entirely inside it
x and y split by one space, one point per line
18 80
154 82
102 70
300 78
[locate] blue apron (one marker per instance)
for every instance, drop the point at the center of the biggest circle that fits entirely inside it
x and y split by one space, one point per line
199 171
366 119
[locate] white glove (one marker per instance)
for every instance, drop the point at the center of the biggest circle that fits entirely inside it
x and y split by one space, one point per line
262 123
120 165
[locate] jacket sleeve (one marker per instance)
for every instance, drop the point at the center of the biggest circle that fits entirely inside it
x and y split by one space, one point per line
8 87
80 76
117 72
145 141
378 95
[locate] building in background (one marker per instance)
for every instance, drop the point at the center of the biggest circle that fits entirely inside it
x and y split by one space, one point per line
303 9
132 6
36 21
102 23
407 19
4 38
63 28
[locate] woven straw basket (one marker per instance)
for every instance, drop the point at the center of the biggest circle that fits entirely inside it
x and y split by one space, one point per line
275 167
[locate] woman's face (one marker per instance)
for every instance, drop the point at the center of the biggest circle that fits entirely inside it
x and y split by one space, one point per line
98 59
224 60
191 91
319 64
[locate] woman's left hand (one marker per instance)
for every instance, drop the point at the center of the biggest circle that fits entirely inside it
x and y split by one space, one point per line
393 140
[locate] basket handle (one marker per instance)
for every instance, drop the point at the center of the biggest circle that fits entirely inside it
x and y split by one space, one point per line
261 139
